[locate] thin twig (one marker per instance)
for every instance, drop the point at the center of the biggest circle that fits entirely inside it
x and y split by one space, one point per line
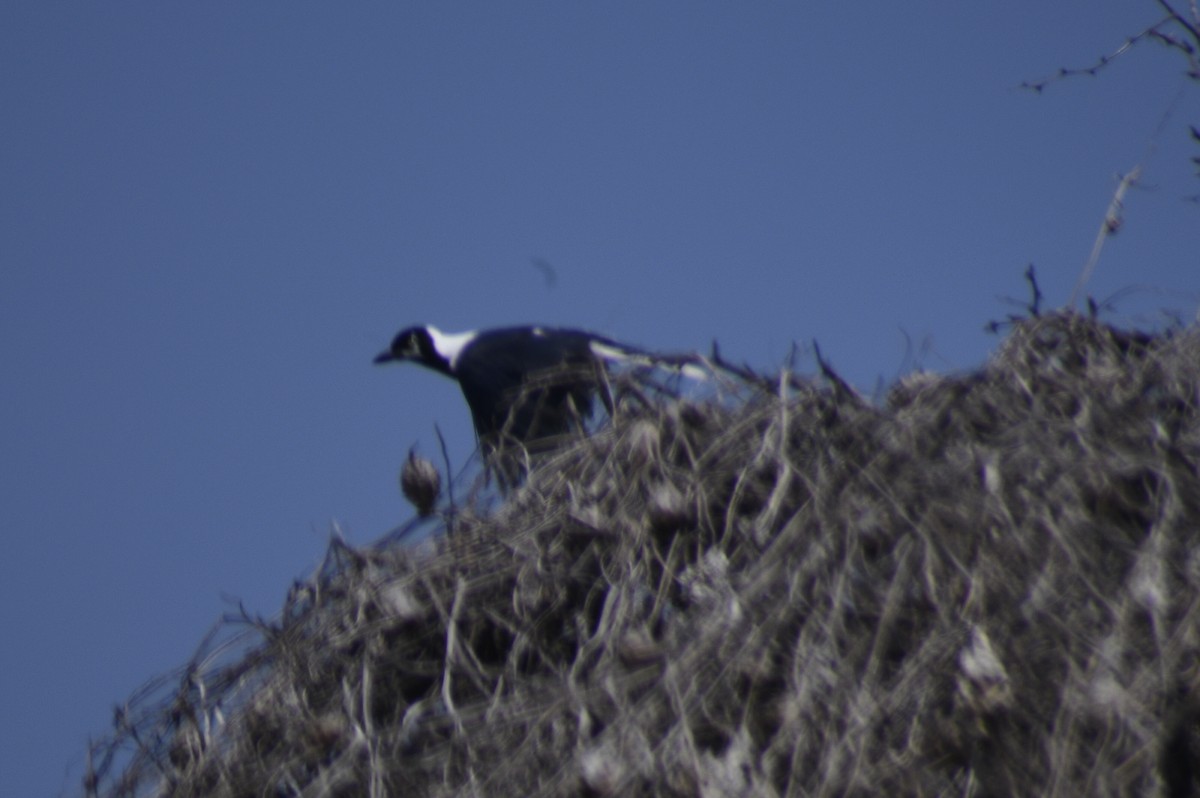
450 516
1102 62
840 386
1179 18
1113 219
451 655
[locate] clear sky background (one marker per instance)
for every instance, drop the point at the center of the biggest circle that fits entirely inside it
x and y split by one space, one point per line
213 215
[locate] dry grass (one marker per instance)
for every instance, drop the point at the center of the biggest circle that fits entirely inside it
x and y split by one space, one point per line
988 586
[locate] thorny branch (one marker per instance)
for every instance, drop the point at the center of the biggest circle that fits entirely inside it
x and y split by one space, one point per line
1174 30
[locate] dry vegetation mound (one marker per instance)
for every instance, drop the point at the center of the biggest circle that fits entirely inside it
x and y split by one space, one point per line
988 585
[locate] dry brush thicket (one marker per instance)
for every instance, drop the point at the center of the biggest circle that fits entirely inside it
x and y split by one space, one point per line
986 584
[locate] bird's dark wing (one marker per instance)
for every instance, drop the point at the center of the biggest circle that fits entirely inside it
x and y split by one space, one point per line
518 381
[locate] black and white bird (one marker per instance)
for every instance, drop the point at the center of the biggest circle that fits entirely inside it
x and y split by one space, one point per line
522 384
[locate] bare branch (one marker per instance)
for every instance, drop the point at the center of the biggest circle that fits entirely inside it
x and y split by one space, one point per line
1104 60
1113 218
1174 30
1190 27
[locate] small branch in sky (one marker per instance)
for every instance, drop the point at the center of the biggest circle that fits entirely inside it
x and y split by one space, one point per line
1104 60
1113 219
1192 27
1174 30
1035 301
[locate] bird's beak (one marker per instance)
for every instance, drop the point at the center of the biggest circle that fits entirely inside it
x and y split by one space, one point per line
385 356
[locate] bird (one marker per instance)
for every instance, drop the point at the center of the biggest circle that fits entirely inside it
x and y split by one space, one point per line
525 384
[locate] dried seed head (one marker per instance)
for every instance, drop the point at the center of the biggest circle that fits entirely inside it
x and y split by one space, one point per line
421 483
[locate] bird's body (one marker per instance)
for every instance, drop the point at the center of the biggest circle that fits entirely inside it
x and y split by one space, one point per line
522 384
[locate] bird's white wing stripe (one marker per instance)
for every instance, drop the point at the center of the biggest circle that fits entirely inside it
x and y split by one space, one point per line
615 355
605 352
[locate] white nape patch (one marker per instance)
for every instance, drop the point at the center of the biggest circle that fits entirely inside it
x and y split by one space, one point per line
538 332
450 345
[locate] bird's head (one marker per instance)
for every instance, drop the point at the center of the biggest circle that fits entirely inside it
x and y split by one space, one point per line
411 344
416 345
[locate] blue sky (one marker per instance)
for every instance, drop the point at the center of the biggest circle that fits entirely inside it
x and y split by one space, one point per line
215 214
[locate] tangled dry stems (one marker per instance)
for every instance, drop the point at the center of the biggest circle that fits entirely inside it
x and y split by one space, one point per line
986 586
